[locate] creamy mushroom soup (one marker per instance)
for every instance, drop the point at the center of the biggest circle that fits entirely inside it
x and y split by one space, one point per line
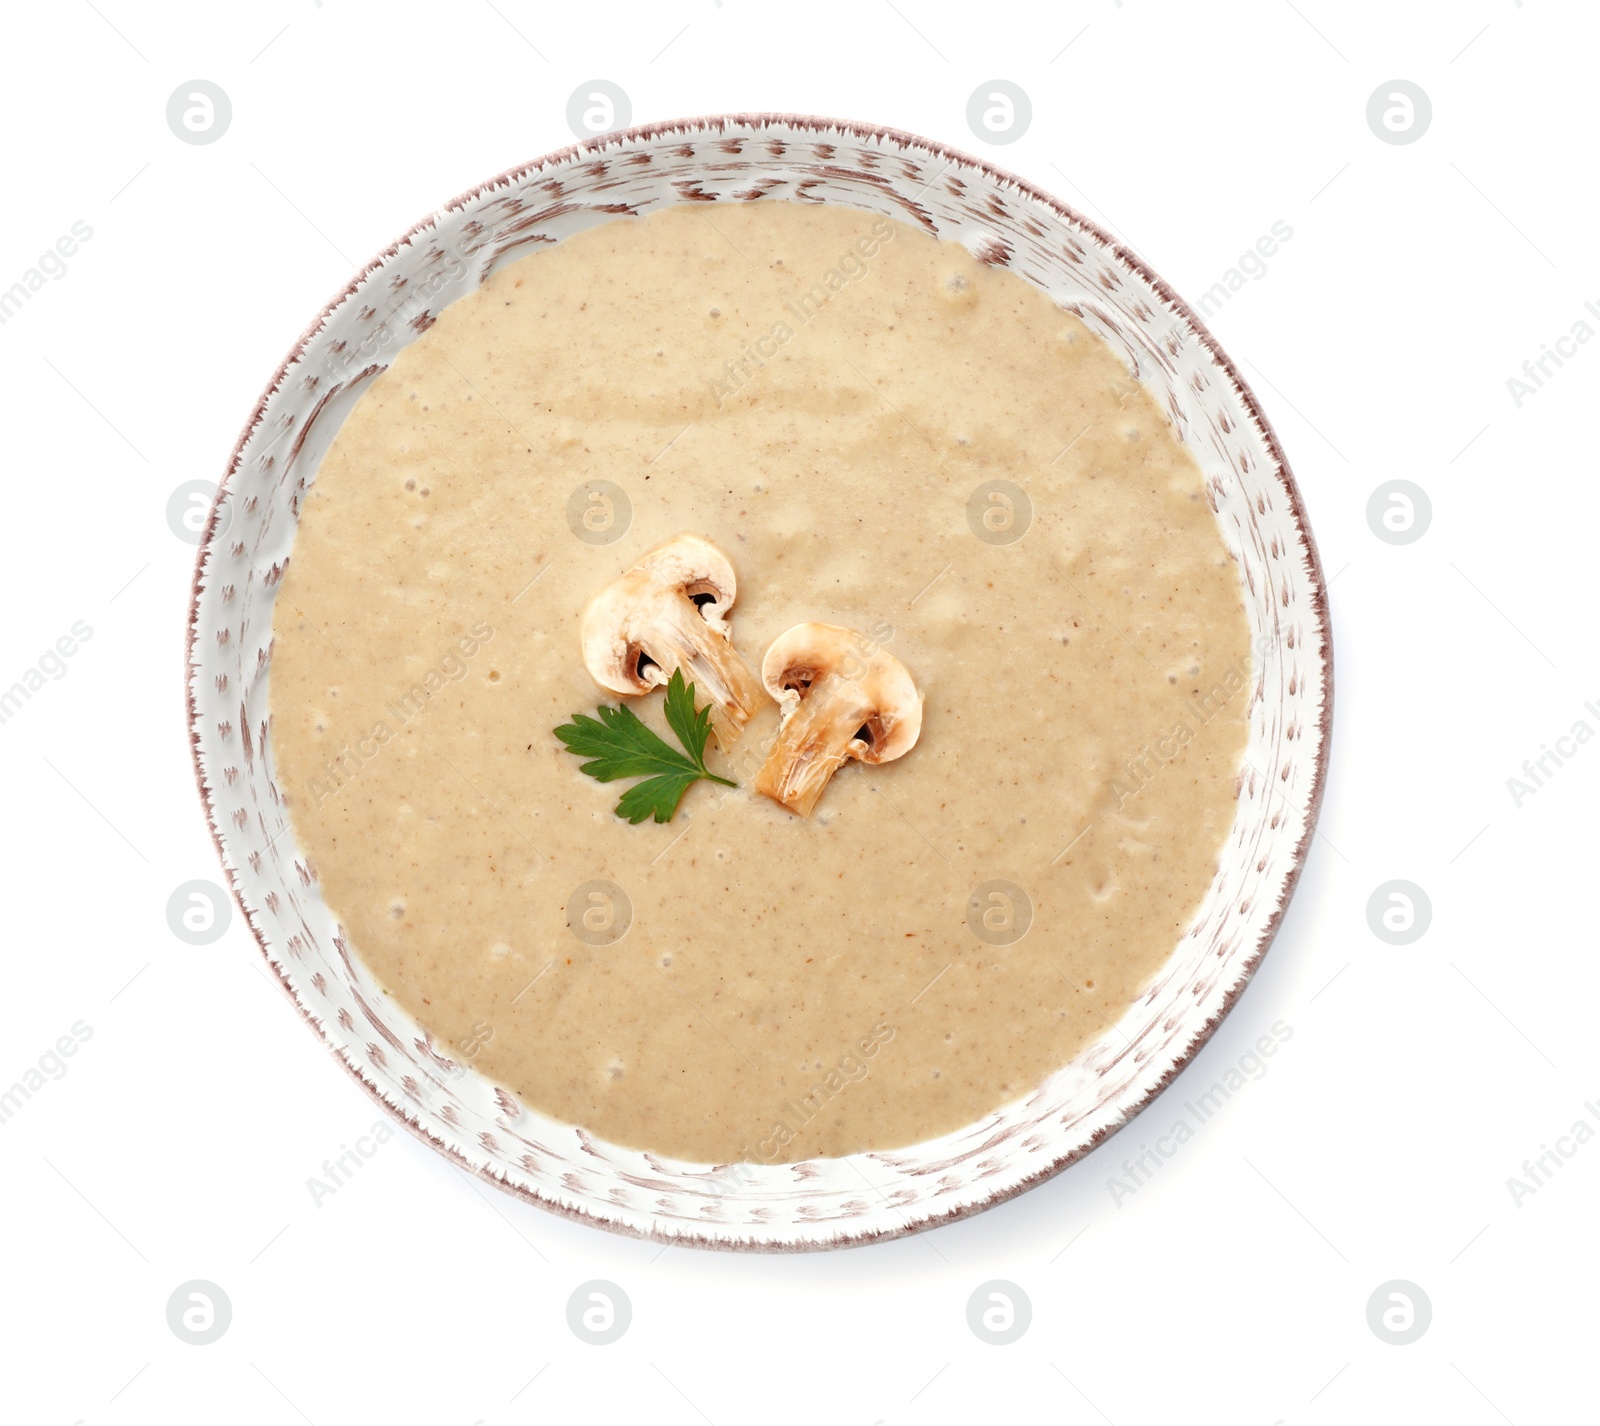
880 434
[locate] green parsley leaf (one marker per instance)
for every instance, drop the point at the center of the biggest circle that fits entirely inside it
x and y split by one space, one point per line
693 726
619 745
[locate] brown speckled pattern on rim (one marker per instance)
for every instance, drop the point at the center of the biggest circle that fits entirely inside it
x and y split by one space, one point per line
819 1203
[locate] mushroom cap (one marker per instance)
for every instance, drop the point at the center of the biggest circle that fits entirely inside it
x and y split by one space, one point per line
694 566
686 567
802 658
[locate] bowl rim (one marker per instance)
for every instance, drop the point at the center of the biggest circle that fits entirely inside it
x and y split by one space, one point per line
1319 614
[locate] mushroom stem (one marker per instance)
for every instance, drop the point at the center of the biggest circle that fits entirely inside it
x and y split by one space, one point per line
677 635
814 743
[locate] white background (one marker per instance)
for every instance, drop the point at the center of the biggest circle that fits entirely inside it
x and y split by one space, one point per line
1232 1287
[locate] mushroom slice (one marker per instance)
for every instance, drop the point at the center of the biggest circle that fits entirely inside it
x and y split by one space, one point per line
842 697
670 612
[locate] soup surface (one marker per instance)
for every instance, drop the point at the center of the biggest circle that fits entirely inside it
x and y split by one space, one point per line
882 433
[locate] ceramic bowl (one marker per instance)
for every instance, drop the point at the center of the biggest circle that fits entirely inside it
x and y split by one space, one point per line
741 159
